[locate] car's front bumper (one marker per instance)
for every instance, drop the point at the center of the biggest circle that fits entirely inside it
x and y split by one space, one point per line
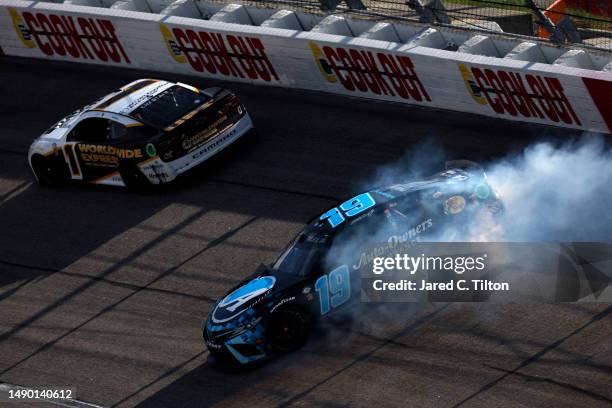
245 348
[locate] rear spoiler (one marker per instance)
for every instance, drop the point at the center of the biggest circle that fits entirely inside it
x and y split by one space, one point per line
216 92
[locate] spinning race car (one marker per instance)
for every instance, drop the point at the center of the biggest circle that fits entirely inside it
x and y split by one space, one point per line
317 274
147 132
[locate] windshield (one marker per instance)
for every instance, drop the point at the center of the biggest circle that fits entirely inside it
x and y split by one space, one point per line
168 106
301 258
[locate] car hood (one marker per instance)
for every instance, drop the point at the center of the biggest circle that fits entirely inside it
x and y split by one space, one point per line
249 294
242 298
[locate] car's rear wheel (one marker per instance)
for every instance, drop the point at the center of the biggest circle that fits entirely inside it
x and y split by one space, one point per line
50 171
133 177
288 330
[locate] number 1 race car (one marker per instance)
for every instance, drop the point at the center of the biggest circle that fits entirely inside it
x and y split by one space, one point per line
147 132
318 273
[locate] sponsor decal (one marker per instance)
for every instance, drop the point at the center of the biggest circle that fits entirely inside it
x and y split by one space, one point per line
24 34
216 53
519 95
173 48
282 302
151 150
191 142
112 178
213 145
482 191
410 236
168 155
76 37
145 99
106 155
241 299
372 72
156 171
213 345
361 217
412 233
454 205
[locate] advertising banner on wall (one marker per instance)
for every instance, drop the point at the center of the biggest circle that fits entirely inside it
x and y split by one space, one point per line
506 89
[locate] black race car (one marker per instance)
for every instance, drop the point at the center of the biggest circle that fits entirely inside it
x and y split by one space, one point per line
273 310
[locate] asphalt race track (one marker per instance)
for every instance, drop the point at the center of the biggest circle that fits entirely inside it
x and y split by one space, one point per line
106 290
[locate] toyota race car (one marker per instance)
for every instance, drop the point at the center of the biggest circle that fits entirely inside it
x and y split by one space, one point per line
147 132
317 274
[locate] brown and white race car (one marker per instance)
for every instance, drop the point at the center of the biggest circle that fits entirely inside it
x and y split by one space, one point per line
148 132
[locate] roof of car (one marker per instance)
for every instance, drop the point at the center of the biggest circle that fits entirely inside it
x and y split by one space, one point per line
121 102
457 177
130 96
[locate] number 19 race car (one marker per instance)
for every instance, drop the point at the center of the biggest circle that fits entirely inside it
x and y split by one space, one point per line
147 132
273 310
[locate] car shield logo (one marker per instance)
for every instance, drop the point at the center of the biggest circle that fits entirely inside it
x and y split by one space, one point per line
239 300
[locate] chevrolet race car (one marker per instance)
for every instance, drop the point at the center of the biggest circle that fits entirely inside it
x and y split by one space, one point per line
148 132
274 309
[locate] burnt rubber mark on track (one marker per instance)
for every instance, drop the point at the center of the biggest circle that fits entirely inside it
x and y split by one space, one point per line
90 283
15 152
392 340
10 292
15 191
561 384
275 189
27 266
535 357
229 182
111 282
165 374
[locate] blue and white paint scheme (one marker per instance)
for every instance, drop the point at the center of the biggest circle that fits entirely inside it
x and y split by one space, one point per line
238 301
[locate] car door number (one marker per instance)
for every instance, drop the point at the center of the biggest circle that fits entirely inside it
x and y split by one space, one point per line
334 289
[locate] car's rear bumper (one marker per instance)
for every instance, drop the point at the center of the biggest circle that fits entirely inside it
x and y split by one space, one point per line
158 171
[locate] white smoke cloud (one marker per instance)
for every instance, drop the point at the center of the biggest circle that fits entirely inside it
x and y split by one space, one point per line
556 193
551 192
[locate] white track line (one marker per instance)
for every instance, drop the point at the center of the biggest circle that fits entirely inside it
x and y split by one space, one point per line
5 388
15 193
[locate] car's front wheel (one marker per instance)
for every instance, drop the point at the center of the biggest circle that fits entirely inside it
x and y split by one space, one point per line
288 329
49 171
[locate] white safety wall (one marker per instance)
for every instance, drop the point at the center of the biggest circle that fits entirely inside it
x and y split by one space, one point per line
361 67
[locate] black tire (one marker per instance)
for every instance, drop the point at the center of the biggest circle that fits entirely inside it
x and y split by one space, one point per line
251 133
50 171
133 178
288 330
